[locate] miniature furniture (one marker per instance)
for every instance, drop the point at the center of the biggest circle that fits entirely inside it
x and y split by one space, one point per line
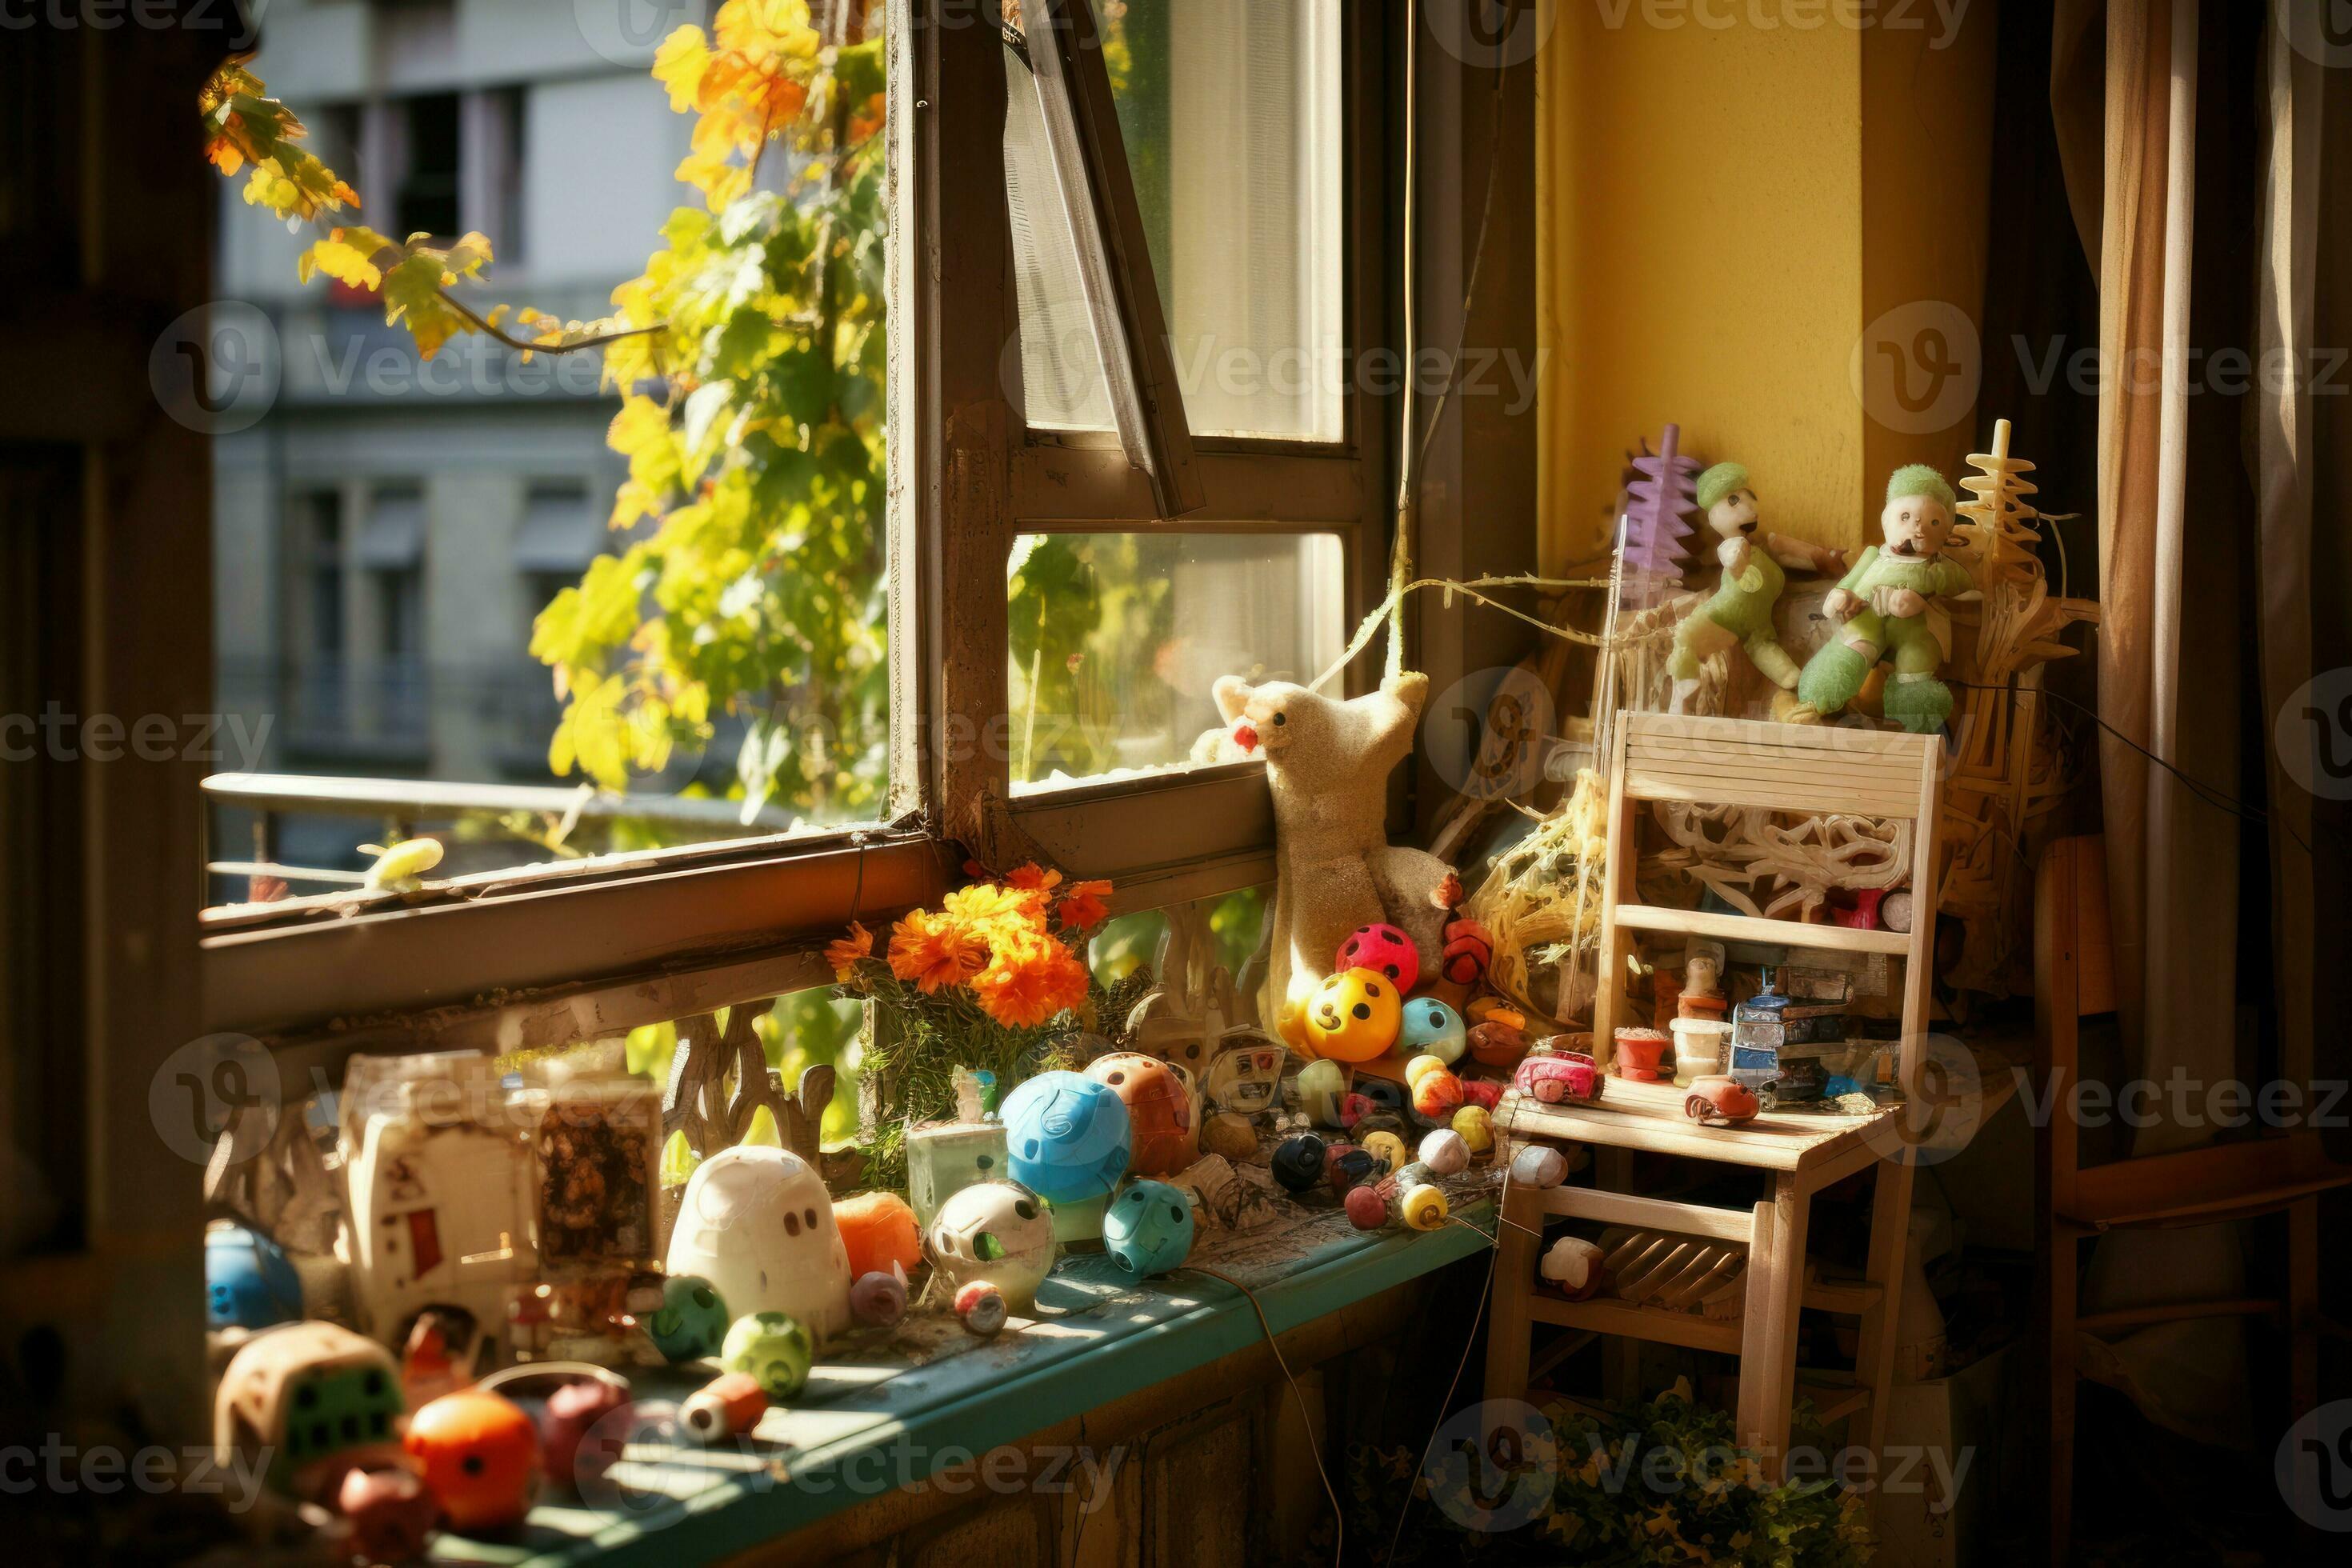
2073 978
1795 769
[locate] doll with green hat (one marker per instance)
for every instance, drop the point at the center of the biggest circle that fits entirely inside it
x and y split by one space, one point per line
1739 613
1882 608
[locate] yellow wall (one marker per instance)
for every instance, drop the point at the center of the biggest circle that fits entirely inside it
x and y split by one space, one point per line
1723 208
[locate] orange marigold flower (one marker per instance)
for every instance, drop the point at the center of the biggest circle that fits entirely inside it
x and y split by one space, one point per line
1029 983
848 951
936 951
1085 904
1032 876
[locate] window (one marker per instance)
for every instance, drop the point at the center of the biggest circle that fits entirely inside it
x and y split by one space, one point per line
1078 537
427 200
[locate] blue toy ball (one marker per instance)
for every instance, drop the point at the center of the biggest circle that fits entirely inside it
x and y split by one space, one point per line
692 1322
249 1283
1431 1026
1148 1228
1068 1137
1298 1162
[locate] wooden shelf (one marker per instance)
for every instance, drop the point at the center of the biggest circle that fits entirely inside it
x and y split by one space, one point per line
1747 928
1604 1315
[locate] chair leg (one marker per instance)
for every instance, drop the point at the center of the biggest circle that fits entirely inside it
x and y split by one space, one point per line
1756 1328
2062 1264
1890 1234
1772 1363
1507 1323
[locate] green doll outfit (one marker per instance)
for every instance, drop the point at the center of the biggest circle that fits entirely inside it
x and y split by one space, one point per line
1833 676
1741 612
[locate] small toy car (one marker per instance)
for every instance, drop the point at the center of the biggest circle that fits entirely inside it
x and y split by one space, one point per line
1559 1078
1716 1102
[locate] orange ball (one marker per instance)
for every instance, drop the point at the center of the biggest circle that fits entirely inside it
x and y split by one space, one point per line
1354 1016
1158 1112
479 1454
878 1229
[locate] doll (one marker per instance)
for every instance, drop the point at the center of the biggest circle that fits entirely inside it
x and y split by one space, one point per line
1882 606
1740 613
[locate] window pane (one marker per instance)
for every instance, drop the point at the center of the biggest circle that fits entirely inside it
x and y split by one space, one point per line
1231 112
429 622
1116 638
1060 364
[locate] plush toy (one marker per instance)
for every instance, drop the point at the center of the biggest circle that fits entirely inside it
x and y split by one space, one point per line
1328 764
1882 607
1739 615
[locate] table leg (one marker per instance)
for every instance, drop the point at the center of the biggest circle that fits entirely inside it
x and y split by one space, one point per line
1508 1323
1773 1363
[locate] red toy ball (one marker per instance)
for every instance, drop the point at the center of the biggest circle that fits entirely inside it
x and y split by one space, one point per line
480 1458
1436 1096
1366 1210
1479 1092
1384 950
1158 1112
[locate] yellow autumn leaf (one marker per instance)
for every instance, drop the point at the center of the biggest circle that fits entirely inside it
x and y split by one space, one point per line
346 254
679 64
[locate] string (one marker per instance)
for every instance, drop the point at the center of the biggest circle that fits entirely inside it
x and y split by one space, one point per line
1400 545
1305 1417
1469 589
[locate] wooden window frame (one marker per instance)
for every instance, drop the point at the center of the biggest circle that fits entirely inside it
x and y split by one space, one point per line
543 955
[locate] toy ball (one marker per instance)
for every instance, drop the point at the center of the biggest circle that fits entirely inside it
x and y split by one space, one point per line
1367 1209
878 1299
1384 950
1298 1162
478 1454
980 1307
249 1283
1346 1166
1481 1092
1423 1208
1230 1134
1433 1027
1162 1136
1427 1062
998 1233
1538 1165
1322 1086
1353 1016
1437 1096
579 1440
1385 1147
692 1321
1067 1136
1445 1152
879 1231
390 1514
1478 1130
1148 1229
772 1350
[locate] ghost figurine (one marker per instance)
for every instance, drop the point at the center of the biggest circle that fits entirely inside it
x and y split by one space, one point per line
1148 1228
757 1223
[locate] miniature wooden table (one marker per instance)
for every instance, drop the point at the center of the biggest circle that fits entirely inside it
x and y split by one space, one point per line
1800 1154
877 1428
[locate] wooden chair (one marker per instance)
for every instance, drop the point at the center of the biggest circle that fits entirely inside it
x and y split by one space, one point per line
1778 767
2073 978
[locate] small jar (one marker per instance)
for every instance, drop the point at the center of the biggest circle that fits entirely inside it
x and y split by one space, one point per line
1699 1047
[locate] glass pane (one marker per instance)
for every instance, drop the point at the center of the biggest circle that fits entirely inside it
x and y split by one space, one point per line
1231 112
1060 364
1116 639
546 608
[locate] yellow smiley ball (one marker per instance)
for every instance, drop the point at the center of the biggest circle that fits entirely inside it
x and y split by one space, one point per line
1354 1016
1385 1146
1476 1129
1424 1208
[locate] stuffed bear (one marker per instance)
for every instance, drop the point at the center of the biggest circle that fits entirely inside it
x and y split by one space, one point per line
1328 764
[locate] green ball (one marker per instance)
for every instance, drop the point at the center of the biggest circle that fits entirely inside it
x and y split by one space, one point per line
774 1350
692 1322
